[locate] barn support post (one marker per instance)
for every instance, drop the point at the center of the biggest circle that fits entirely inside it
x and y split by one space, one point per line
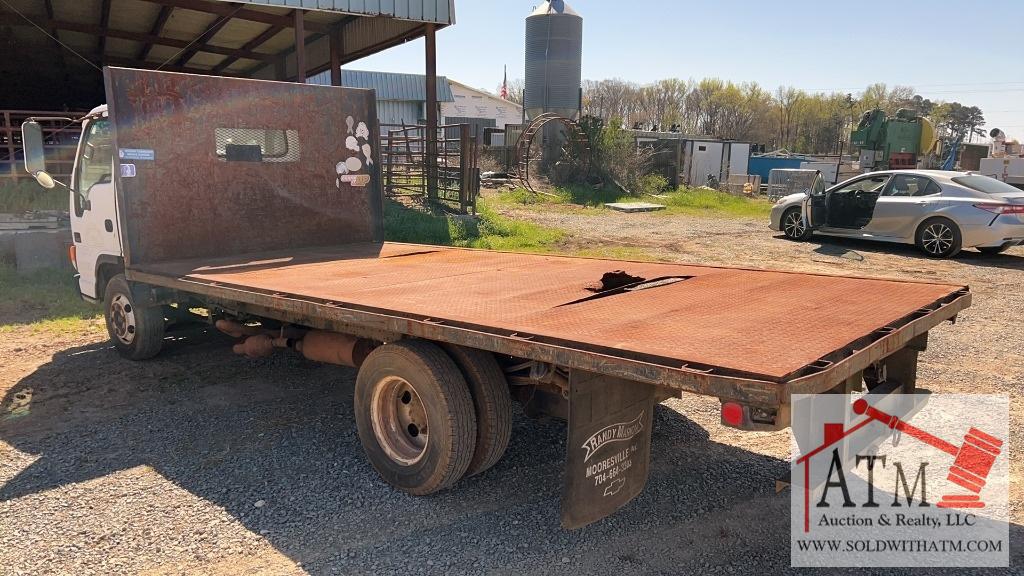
300 47
336 50
431 95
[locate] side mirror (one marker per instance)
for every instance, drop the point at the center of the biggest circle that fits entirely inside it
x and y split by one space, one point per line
45 180
32 144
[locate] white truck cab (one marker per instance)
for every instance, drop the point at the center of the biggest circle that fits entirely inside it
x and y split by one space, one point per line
97 252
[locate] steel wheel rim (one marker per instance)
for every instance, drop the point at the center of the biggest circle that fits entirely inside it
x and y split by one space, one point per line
794 224
399 420
122 319
937 238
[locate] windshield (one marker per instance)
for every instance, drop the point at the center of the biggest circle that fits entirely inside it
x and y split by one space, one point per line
986 185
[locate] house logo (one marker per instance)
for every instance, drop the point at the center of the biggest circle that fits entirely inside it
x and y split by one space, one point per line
900 480
619 432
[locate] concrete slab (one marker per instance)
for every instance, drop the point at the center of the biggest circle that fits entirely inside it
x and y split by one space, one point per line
635 206
38 249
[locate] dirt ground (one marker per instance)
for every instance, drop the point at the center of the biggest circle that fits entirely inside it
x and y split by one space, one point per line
203 462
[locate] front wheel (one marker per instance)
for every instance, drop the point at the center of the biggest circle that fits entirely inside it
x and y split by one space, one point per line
939 238
136 331
794 226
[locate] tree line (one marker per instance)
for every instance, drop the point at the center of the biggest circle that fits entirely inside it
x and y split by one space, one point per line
787 117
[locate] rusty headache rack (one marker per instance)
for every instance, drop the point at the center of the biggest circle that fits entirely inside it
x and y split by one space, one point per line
284 225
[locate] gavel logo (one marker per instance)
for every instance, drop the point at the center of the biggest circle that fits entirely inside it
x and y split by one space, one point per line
972 462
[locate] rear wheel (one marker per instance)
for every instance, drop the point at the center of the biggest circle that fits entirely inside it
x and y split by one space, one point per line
415 416
136 331
939 238
492 401
793 225
992 250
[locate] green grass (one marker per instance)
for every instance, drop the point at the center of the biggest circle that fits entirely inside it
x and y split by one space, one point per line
580 195
45 300
705 202
692 201
27 195
489 230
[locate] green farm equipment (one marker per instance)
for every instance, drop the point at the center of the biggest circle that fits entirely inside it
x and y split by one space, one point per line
887 143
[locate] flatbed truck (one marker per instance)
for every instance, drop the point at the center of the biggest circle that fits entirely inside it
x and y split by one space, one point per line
261 204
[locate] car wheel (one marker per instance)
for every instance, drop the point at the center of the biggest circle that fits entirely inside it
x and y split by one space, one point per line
939 238
793 225
992 250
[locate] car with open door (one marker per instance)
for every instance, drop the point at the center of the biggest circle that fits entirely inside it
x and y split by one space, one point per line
941 212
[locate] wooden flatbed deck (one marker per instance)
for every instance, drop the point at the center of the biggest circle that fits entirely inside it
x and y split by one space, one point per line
751 323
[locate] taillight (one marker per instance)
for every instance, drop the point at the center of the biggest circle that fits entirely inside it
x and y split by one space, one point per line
73 255
732 414
1002 208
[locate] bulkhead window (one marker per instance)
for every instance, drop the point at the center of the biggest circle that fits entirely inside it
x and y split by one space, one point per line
257 144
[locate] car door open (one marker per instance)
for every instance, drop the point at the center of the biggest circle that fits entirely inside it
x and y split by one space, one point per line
815 206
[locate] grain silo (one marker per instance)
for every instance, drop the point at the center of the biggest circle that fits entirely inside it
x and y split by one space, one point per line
554 49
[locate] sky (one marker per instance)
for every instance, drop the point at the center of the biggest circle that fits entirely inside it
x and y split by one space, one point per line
970 52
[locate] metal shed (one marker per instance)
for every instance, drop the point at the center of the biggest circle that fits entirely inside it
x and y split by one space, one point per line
55 49
57 45
401 98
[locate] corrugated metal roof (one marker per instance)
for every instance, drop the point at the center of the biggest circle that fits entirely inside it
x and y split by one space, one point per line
389 85
436 11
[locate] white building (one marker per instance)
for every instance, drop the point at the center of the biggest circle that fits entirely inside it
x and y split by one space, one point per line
479 109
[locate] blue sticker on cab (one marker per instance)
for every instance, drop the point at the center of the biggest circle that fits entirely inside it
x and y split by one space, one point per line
136 154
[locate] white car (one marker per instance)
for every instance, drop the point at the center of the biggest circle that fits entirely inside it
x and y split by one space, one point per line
939 211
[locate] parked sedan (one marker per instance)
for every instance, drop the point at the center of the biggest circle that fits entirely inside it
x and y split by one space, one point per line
939 211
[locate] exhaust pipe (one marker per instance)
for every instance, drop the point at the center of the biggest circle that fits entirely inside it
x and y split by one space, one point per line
335 348
316 345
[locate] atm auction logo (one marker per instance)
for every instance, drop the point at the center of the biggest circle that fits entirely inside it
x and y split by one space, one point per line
900 480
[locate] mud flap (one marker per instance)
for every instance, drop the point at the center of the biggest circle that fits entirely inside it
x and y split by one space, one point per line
609 446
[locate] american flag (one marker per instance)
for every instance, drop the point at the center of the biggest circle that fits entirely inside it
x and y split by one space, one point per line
504 85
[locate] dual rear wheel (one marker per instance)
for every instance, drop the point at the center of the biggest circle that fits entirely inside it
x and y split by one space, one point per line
428 416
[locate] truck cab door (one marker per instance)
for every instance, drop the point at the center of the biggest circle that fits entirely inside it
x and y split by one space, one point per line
94 224
815 206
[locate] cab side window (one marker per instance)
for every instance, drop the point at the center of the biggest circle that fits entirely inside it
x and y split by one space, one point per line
911 185
932 188
869 184
94 163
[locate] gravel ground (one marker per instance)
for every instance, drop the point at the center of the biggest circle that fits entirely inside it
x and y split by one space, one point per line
202 462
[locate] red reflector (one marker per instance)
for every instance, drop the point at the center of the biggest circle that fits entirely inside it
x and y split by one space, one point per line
732 414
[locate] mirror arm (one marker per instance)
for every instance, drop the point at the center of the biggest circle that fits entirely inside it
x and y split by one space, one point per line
55 181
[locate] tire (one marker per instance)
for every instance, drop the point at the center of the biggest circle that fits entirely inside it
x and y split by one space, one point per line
992 250
793 225
136 331
939 238
492 401
415 416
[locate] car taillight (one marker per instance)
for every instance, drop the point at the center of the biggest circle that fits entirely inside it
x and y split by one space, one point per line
73 255
1002 208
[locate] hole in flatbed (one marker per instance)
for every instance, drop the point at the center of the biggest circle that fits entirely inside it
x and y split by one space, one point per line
640 284
613 280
